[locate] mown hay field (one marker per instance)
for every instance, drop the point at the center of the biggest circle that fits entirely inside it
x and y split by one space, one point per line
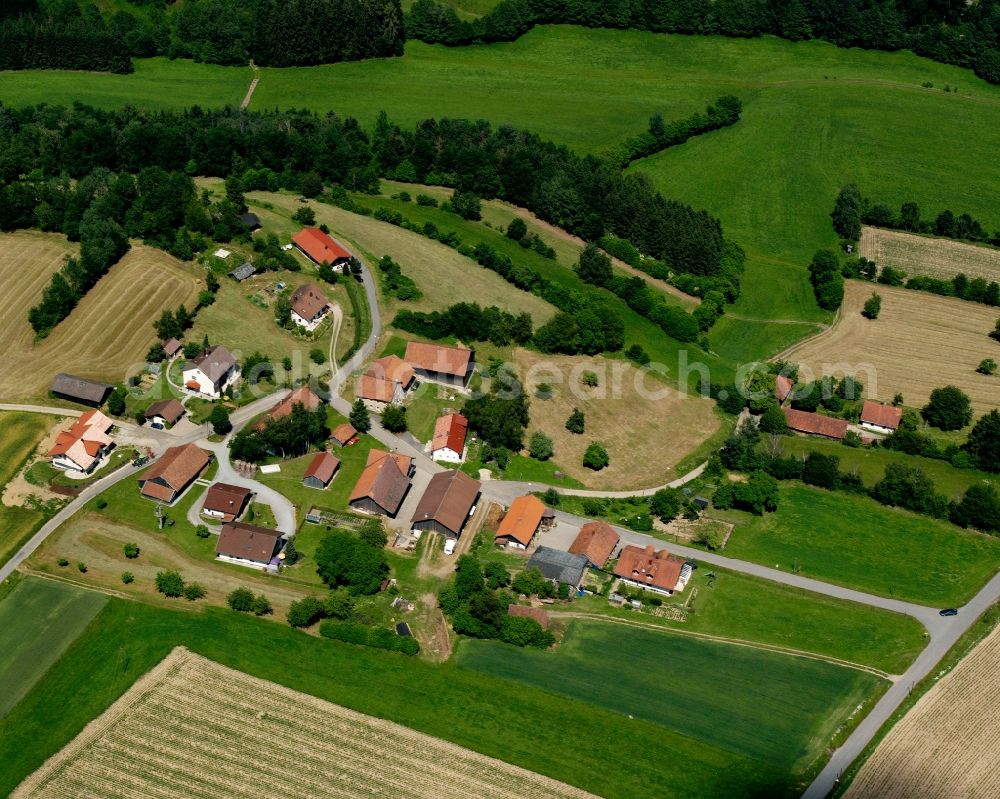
106 334
922 255
919 342
645 425
946 747
193 729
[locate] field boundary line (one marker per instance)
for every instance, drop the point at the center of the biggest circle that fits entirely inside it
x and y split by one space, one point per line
789 351
785 650
58 578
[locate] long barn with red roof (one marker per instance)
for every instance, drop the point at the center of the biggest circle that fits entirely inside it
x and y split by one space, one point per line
318 247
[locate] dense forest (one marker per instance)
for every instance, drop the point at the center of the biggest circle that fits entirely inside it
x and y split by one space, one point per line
266 150
60 34
950 31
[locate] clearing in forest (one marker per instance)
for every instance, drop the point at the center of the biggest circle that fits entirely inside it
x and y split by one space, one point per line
192 729
946 746
110 330
645 425
919 342
923 255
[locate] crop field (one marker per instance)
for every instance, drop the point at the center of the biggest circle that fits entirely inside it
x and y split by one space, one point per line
39 619
646 426
923 255
946 745
854 541
919 342
193 728
106 334
675 681
19 435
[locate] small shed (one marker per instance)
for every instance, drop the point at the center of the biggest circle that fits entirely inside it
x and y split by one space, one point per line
701 502
403 629
344 435
321 470
314 516
171 346
242 272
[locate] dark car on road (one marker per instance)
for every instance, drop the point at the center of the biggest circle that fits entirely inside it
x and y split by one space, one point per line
948 612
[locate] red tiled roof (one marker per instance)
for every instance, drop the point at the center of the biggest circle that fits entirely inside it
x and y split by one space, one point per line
374 388
882 415
596 541
322 467
176 468
435 358
815 424
450 431
538 614
782 387
384 480
522 520
303 396
392 367
319 246
649 567
226 499
344 433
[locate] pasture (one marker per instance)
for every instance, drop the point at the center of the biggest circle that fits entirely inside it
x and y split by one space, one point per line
247 724
472 710
854 541
918 343
924 255
946 745
20 434
674 681
106 335
39 619
646 426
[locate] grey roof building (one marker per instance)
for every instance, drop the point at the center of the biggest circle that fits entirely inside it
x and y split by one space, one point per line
77 389
242 272
563 567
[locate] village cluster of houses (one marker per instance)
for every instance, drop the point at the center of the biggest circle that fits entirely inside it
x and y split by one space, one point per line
389 380
876 417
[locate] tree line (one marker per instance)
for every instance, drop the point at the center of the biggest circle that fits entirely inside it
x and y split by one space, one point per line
468 322
963 34
62 34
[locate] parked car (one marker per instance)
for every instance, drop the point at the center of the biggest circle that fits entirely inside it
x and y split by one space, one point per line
449 546
948 612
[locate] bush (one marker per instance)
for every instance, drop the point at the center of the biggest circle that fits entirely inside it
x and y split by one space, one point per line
517 230
128 577
240 599
305 612
873 306
193 591
261 606
131 551
987 366
590 379
576 422
551 497
394 419
170 583
82 568
596 457
540 446
202 531
317 356
63 562
101 503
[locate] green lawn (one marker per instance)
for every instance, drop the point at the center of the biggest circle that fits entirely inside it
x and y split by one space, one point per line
474 710
856 542
712 692
39 619
870 464
19 435
745 608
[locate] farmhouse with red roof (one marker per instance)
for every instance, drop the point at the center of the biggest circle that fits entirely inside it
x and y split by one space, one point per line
318 247
816 424
448 443
880 418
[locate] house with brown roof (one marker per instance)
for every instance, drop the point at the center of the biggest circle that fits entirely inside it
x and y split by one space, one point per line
225 501
448 441
302 395
450 498
171 347
344 435
176 469
449 365
520 524
320 470
81 447
383 484
213 371
650 570
782 388
815 424
309 306
249 545
393 368
880 418
597 541
376 393
164 413
319 248
538 614
78 389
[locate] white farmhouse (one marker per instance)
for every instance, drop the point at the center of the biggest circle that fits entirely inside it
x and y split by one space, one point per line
212 372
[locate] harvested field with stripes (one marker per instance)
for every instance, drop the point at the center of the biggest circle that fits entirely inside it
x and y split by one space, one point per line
192 729
923 255
108 332
946 747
